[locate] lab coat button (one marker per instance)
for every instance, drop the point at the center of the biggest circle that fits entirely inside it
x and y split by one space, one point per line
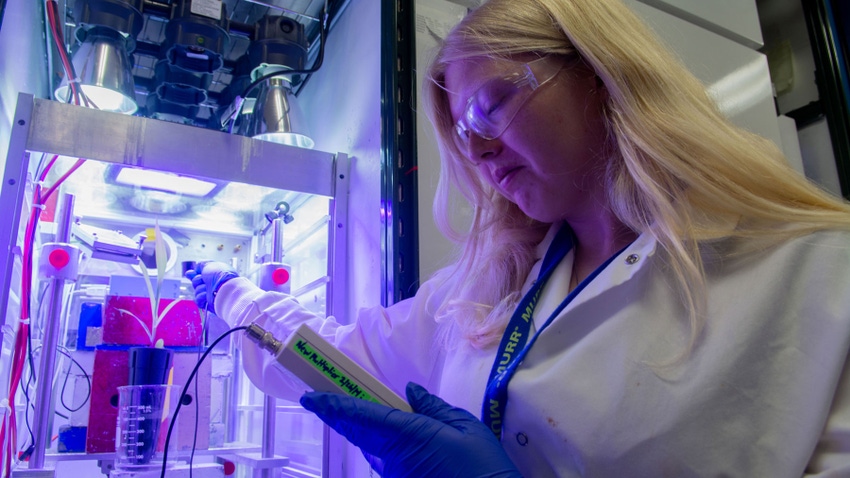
522 439
632 258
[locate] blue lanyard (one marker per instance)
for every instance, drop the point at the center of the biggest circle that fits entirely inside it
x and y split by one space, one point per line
519 327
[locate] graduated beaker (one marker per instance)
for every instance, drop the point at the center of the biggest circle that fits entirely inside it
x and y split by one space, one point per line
145 413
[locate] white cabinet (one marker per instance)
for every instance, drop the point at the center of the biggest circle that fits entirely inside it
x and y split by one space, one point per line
735 19
735 74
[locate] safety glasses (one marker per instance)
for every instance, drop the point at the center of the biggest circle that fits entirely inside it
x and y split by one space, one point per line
490 110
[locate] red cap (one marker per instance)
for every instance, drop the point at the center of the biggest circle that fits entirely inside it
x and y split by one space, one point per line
58 258
280 276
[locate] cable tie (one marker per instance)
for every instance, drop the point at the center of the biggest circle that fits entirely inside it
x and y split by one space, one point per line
75 80
39 206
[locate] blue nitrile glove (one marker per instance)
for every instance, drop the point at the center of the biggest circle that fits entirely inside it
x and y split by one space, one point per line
207 278
437 440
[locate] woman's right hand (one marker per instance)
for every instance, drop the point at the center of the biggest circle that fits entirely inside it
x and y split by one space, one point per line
207 277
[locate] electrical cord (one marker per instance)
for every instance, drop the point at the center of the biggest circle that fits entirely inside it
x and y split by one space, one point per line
77 95
28 385
205 324
64 352
26 451
59 40
25 389
185 388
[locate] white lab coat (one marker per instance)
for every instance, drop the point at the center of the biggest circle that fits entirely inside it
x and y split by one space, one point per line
766 392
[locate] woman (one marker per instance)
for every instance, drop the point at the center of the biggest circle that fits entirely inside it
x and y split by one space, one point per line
645 289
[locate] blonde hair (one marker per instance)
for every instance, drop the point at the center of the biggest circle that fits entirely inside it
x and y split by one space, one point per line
678 169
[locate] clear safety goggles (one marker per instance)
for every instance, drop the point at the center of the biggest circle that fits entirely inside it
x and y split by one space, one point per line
490 110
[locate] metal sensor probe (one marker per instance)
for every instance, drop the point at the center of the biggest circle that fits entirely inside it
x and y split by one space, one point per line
264 339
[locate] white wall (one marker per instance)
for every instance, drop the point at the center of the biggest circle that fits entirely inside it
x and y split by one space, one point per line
342 104
23 63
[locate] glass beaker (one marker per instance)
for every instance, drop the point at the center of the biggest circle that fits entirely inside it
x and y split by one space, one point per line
145 413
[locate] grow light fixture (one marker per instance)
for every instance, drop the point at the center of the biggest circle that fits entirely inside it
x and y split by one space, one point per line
276 116
103 65
164 181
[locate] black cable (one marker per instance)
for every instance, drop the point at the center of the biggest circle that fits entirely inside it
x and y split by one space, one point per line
25 386
31 363
197 406
186 387
28 406
195 437
65 382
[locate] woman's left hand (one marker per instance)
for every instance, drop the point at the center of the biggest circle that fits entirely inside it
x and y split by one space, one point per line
437 440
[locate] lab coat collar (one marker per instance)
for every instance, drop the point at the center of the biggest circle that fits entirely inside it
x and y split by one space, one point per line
625 266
